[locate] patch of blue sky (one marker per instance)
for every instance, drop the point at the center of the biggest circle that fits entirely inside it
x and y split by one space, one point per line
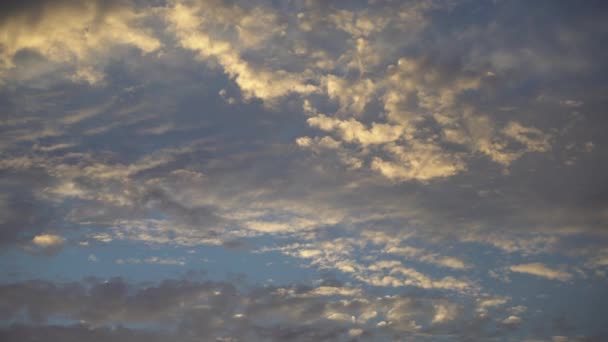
138 261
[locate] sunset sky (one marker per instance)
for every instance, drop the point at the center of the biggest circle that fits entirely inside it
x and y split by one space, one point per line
303 170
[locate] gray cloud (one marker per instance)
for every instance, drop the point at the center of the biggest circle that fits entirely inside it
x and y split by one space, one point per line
186 310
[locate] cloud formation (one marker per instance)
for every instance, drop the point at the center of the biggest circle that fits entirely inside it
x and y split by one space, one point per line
376 170
77 34
186 310
47 240
540 270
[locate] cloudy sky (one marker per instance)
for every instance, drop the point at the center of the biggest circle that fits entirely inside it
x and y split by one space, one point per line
303 170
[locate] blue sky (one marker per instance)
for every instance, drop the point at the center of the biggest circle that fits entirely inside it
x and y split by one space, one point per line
303 170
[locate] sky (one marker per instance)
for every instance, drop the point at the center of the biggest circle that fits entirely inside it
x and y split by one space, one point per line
303 170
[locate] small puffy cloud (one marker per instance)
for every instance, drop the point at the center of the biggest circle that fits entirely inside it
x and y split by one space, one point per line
353 131
517 310
449 262
355 332
309 253
492 302
444 313
48 240
283 226
420 161
407 314
334 291
102 237
486 304
540 270
46 244
511 320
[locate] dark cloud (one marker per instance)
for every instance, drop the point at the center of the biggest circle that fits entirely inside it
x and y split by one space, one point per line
77 333
184 310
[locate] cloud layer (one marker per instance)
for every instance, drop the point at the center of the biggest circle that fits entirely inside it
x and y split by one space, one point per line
421 170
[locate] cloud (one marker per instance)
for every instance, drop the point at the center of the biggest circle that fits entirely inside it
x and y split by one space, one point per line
77 332
353 131
534 139
341 255
357 24
78 34
421 162
415 95
188 310
218 309
415 278
152 260
511 320
541 270
333 291
436 95
48 240
353 96
492 302
188 23
45 244
392 246
388 145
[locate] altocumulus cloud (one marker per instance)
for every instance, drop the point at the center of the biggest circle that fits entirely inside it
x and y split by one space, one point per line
372 170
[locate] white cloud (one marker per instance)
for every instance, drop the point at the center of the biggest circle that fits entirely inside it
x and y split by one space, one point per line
355 132
492 302
511 320
540 270
48 240
444 313
432 258
190 23
412 277
334 291
419 161
352 95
